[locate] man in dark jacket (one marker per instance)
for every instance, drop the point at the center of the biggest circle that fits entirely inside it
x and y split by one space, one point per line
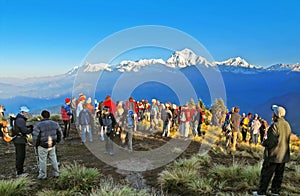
276 154
109 123
21 130
45 135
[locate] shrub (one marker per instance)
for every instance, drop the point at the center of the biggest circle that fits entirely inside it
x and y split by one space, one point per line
78 178
35 118
55 117
201 185
60 193
203 160
177 178
237 176
190 164
15 187
109 188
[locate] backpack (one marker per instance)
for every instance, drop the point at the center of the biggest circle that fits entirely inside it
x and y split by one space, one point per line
226 126
14 129
107 120
130 120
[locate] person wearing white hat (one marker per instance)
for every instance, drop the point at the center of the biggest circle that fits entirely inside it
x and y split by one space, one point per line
276 154
20 140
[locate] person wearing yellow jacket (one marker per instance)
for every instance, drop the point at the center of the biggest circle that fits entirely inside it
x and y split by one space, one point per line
246 126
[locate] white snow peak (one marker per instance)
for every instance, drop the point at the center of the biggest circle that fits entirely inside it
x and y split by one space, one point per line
127 66
236 62
184 58
97 67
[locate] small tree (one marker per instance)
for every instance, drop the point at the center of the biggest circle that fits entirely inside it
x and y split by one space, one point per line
218 109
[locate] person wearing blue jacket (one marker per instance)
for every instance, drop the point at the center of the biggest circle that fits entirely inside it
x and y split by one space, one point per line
20 140
85 122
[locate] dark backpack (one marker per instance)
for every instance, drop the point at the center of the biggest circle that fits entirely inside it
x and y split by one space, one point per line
130 120
14 130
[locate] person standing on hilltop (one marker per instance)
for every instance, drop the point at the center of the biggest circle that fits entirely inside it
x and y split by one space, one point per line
110 104
255 125
246 126
276 153
153 115
81 101
85 120
235 119
66 116
109 123
46 135
21 130
2 109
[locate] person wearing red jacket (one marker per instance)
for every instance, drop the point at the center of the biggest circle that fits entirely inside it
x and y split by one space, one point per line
66 115
109 103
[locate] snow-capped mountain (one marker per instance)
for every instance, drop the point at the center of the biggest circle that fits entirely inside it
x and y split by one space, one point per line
284 67
73 71
186 57
127 66
236 62
97 67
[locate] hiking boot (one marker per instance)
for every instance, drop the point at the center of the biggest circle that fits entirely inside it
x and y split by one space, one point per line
40 177
22 175
273 193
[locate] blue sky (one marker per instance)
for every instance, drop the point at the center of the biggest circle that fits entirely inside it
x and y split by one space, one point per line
40 38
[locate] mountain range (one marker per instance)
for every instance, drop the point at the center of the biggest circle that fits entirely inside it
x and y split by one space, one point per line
251 87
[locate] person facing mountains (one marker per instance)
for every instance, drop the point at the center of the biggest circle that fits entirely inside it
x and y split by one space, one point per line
46 135
276 153
235 119
21 130
66 116
246 126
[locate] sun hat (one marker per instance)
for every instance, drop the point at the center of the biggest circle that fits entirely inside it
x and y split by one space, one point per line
24 109
278 110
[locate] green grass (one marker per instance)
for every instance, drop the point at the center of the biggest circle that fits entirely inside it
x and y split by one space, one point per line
109 188
201 186
177 179
78 178
60 193
15 187
237 176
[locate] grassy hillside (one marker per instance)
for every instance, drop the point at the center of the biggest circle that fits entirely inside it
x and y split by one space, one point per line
206 167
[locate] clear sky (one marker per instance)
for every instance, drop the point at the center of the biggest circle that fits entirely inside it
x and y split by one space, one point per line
47 37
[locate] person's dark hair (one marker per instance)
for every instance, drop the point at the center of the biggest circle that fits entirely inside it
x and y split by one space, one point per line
45 114
236 109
